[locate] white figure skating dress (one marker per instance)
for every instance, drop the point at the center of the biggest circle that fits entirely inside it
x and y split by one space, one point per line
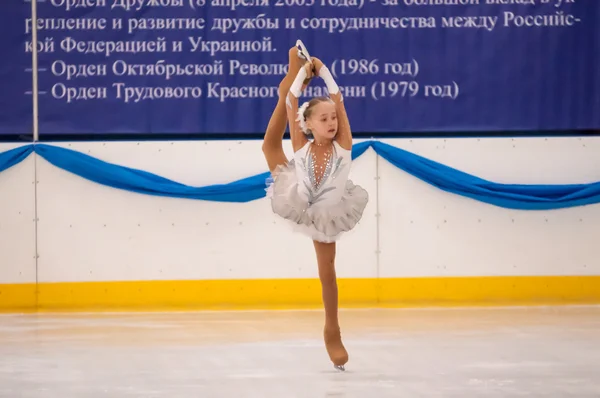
321 211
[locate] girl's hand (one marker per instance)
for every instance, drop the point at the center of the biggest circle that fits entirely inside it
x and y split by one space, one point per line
309 70
317 63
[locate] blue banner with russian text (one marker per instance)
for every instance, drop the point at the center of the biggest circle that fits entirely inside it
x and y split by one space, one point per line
213 66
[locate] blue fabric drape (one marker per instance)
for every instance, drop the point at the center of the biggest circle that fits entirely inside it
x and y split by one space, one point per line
514 196
14 156
140 181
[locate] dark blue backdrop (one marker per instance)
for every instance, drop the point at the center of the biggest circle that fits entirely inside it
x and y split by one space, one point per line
16 108
508 77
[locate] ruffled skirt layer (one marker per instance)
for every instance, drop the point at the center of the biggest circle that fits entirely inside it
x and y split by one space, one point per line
320 223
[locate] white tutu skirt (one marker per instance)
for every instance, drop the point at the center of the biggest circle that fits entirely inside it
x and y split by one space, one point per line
323 223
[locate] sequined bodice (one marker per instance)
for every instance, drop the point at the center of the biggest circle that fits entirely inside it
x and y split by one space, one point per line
330 187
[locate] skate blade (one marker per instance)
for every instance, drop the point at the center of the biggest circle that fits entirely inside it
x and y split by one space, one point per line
341 368
302 51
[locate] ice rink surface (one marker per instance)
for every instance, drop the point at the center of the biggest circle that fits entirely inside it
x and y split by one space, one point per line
503 352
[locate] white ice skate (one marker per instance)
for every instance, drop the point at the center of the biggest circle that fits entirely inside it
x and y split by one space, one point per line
302 51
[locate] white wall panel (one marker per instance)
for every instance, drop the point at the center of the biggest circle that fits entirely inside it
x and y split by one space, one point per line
90 232
17 226
429 232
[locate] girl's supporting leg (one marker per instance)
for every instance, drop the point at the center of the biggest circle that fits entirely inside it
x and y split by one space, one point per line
273 140
333 341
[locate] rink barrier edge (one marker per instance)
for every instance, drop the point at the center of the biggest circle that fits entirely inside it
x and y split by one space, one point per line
274 294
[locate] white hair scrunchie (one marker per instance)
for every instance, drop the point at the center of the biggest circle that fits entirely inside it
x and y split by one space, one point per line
300 118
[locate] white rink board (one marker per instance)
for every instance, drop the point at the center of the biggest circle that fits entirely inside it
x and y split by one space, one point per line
90 232
429 232
17 225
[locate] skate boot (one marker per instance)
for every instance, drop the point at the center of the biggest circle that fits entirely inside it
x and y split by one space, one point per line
302 51
304 55
335 347
296 60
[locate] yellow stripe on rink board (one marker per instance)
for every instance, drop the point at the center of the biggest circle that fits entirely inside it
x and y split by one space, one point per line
486 291
299 293
16 297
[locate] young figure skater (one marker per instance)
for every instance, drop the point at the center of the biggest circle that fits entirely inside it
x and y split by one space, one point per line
313 190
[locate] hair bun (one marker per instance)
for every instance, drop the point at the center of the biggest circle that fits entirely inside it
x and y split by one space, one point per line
301 119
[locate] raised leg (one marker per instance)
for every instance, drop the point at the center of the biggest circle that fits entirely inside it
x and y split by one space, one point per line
273 140
332 335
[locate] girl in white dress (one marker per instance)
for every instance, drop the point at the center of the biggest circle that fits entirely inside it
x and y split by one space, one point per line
313 190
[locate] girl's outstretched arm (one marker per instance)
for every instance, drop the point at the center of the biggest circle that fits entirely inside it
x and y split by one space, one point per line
298 137
344 135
